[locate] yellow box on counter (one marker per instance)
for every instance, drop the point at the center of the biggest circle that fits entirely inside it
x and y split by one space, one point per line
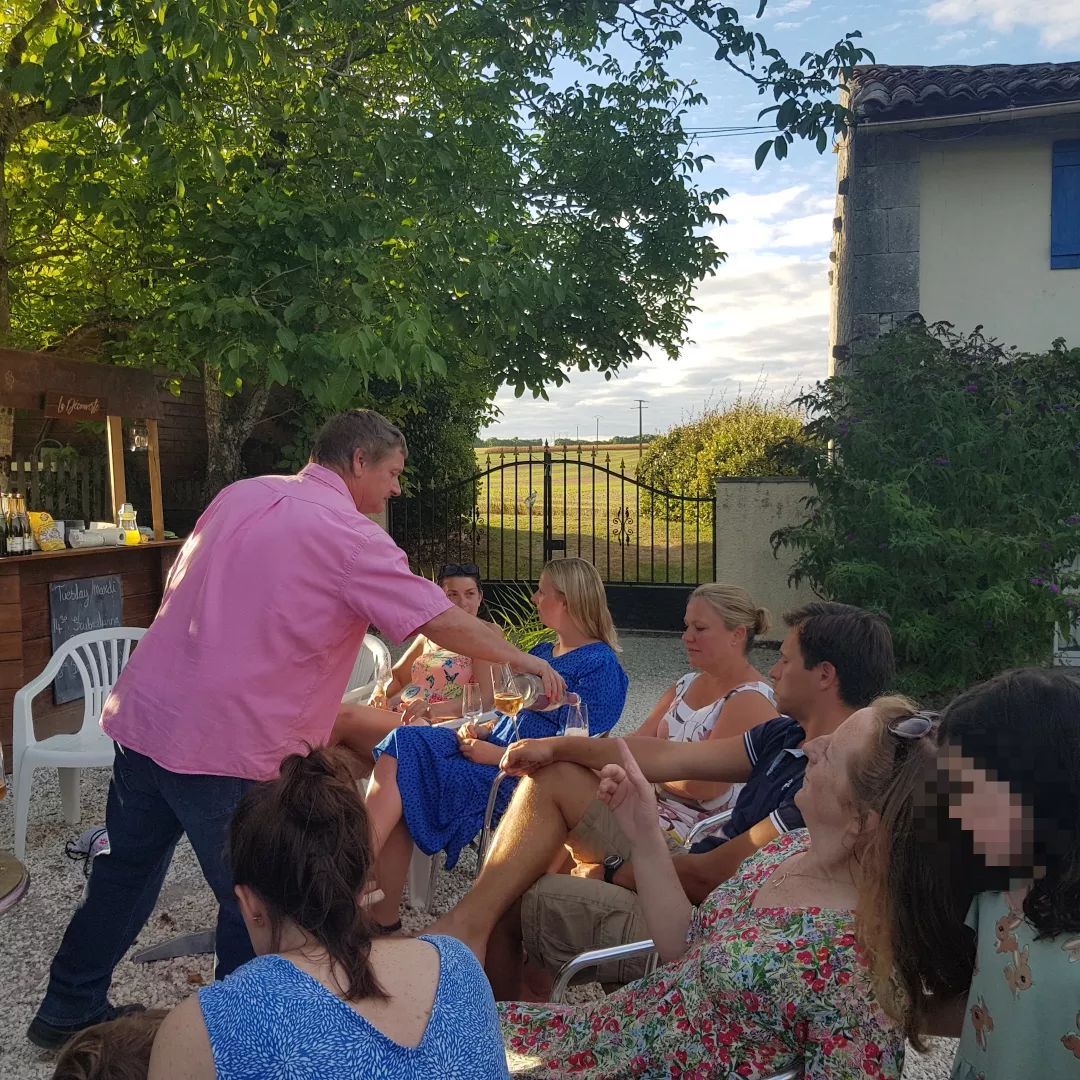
46 531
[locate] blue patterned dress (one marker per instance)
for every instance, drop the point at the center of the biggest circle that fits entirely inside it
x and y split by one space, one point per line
271 1021
444 794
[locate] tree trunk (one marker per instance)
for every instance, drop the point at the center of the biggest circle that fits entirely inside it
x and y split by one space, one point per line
229 424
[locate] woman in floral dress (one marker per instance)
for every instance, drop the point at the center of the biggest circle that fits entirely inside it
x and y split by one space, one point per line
766 974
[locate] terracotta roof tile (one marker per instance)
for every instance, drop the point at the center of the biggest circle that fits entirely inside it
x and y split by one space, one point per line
887 92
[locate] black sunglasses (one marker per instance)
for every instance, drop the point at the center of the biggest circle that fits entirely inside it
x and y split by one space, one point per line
453 569
909 729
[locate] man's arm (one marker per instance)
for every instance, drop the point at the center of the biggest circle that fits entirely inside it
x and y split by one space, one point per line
467 635
700 874
658 759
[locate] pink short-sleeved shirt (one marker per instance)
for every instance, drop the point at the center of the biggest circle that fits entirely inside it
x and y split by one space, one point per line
259 627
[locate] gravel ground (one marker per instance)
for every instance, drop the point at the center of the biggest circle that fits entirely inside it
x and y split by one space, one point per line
32 930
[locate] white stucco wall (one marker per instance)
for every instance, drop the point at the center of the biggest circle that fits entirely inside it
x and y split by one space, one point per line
985 241
747 513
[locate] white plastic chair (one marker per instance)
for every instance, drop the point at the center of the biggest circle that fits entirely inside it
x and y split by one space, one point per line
99 656
372 661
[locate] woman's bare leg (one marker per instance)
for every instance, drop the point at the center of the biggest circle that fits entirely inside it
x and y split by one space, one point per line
391 870
361 728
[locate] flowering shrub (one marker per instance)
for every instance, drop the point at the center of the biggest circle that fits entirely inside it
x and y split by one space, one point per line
947 479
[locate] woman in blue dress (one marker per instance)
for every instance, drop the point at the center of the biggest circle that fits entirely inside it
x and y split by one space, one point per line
431 785
322 1000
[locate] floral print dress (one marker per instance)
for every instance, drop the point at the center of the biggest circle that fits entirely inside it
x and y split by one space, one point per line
436 675
757 991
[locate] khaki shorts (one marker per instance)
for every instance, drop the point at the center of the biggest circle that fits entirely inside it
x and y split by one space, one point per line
563 915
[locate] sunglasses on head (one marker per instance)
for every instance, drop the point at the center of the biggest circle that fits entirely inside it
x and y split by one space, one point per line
453 569
909 729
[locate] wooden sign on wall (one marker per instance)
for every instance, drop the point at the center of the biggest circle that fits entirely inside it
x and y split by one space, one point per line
60 405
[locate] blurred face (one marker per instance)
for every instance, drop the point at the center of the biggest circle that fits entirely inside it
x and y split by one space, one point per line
463 592
372 483
825 797
550 604
709 643
988 810
795 684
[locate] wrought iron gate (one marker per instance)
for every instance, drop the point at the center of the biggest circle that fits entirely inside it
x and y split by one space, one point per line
532 506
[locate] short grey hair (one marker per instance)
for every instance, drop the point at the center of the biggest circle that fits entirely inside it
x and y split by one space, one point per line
358 429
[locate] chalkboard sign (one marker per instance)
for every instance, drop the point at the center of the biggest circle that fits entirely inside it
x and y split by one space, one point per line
77 606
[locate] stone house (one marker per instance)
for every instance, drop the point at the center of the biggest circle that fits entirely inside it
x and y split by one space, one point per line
958 197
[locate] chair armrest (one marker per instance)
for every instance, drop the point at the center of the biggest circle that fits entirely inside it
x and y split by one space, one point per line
360 696
594 958
22 707
706 826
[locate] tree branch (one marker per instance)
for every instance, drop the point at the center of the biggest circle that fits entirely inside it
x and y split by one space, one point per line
41 17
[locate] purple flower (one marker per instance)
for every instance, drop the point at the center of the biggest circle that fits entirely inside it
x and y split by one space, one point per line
885 547
944 461
1036 581
1046 545
972 388
1054 588
1073 519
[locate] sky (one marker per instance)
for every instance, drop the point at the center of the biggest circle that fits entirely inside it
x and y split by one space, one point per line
763 324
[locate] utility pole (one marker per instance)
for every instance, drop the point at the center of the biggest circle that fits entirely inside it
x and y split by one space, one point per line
598 430
640 424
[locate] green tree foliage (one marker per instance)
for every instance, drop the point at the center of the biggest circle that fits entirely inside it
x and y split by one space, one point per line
332 195
950 499
737 440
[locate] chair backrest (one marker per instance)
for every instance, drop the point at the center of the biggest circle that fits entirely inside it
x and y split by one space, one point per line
99 656
373 656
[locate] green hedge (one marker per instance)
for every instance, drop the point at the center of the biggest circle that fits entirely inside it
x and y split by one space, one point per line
947 478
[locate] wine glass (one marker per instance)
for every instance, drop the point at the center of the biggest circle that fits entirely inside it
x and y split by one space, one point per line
577 718
508 695
472 704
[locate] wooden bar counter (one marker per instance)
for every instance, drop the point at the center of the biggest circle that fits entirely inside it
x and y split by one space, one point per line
25 639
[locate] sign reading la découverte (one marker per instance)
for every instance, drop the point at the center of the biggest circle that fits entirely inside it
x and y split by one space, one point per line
60 405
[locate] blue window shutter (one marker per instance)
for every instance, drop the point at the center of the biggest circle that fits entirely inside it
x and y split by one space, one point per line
1065 206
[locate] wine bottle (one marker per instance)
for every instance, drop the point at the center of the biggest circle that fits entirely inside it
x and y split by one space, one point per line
14 527
27 529
3 526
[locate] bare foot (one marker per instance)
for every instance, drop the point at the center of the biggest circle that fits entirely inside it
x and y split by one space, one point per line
455 927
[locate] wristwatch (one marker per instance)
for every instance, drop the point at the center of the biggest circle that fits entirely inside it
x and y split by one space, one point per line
611 865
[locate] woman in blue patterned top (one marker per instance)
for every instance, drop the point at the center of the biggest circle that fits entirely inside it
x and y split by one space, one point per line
322 1001
431 785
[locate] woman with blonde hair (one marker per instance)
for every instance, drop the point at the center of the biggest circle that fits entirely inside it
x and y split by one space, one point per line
430 785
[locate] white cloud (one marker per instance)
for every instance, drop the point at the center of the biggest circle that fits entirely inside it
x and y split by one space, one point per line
787 8
763 322
1057 21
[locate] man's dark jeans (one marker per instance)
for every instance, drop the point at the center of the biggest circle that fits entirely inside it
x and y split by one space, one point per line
149 809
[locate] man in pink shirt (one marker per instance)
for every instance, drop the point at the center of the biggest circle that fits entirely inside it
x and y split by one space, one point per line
246 661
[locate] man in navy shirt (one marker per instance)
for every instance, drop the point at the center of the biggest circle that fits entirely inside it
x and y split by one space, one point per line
835 659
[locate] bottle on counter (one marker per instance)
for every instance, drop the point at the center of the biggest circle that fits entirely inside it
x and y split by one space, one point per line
3 525
127 519
24 526
14 527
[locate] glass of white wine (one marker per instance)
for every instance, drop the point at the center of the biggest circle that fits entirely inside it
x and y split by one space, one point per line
508 695
577 718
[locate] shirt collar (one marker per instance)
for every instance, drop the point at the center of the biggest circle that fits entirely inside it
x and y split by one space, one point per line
331 479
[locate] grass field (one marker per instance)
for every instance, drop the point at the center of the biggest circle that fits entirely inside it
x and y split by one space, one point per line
596 513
